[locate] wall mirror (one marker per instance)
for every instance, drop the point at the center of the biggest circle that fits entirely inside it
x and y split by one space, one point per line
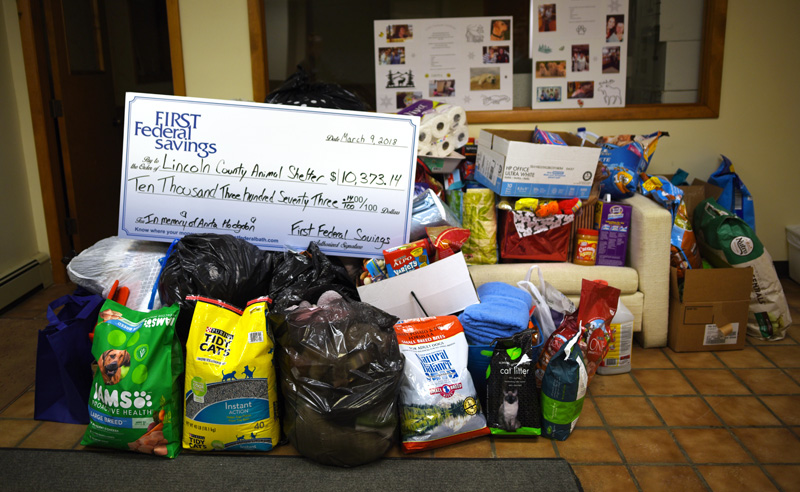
675 52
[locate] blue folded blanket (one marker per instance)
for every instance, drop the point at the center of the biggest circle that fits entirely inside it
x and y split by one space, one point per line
505 290
501 313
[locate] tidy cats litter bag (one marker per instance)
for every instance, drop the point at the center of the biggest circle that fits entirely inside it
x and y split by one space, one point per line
230 392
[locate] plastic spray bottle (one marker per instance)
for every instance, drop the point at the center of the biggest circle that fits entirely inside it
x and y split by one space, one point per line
618 358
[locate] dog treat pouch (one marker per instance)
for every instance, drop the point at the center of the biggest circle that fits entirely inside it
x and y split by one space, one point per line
563 390
512 396
134 402
231 392
439 405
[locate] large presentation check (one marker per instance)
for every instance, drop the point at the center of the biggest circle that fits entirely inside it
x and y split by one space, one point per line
277 176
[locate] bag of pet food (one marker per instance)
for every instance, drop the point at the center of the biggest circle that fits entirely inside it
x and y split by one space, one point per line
512 396
439 404
231 392
563 390
683 245
135 398
625 157
727 241
592 321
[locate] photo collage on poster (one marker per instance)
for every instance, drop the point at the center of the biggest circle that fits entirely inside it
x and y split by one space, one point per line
579 51
464 61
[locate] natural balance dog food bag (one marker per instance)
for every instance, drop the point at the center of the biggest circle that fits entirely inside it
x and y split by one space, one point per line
135 397
439 405
231 392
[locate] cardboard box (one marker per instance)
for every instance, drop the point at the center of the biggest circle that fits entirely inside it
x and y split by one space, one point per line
696 192
441 288
509 164
442 164
712 315
612 220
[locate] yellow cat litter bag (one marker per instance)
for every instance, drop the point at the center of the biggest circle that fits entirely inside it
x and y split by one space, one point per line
231 393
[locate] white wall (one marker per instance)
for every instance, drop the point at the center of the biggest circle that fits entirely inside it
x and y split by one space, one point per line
216 49
22 222
757 127
758 124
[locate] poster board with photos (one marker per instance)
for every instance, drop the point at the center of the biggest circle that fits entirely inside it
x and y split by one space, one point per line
579 52
464 61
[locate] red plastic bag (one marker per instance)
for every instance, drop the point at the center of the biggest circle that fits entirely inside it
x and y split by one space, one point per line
551 245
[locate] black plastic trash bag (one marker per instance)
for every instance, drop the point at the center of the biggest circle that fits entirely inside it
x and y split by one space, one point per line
298 90
305 276
340 375
216 266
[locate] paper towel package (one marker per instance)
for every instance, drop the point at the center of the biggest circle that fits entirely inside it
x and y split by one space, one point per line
443 127
510 164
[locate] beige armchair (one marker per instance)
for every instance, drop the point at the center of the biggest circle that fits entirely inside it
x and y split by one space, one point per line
644 282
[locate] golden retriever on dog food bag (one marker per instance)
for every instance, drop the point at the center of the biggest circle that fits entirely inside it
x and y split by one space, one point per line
135 399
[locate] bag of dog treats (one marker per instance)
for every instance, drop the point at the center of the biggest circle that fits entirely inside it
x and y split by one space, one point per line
231 392
625 157
512 396
135 398
563 390
439 404
592 321
684 253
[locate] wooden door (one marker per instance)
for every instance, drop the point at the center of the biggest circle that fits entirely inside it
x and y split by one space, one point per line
90 136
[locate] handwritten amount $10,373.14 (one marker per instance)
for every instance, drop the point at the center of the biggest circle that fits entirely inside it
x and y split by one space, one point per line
371 180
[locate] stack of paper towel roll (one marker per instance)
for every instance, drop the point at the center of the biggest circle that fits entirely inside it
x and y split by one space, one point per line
443 127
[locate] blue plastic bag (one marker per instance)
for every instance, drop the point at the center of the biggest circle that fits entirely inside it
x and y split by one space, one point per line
735 197
64 359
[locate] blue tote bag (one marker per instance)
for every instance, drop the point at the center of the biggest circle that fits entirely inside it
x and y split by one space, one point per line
64 359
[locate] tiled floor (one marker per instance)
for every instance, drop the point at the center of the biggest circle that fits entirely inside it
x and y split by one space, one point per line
678 422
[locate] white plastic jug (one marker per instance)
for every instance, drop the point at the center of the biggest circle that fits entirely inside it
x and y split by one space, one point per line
618 358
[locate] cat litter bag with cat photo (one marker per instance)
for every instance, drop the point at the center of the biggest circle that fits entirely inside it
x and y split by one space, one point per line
231 392
439 404
512 396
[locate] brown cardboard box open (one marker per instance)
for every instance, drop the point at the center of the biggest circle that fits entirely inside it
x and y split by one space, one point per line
696 192
712 315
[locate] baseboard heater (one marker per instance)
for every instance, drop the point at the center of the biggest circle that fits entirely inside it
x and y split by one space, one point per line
33 274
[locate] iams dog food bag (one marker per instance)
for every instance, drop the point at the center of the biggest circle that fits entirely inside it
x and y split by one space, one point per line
135 398
439 405
231 392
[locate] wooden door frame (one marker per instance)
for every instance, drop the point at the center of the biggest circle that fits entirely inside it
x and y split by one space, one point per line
45 133
40 96
256 21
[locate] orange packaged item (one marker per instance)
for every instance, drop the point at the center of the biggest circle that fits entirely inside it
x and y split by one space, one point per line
547 208
585 247
407 257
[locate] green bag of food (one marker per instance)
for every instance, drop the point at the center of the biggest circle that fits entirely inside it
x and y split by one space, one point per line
727 241
480 217
135 399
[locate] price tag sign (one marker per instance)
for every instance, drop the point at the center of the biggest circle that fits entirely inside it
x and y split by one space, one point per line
276 176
